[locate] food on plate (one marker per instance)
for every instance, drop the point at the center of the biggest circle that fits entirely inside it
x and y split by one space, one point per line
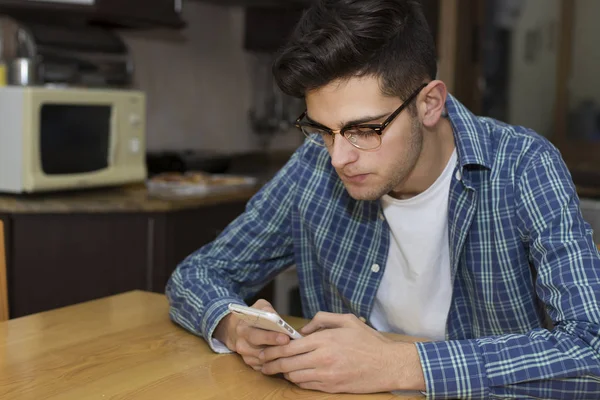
227 180
198 178
168 177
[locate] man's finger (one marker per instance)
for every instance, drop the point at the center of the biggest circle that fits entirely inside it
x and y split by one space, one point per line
260 337
290 364
301 376
325 320
244 348
264 305
312 386
294 348
252 361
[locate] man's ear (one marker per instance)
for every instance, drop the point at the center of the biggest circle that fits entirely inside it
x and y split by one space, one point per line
432 102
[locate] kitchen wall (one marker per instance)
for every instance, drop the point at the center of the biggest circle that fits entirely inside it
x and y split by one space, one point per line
535 44
534 50
199 83
533 66
584 79
586 53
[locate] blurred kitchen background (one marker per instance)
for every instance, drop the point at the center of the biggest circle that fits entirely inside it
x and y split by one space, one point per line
210 104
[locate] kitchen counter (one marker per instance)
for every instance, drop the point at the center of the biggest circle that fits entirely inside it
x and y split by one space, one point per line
127 199
135 198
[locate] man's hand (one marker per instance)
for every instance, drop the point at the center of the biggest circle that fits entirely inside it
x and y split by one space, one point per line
246 340
342 354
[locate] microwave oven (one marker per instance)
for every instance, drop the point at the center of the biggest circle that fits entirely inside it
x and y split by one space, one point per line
66 138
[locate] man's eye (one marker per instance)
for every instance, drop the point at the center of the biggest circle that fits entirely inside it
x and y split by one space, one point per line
360 132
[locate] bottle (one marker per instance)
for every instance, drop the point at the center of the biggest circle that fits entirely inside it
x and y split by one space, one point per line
2 74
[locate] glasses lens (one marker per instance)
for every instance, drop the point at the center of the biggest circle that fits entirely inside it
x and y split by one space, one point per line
318 136
363 138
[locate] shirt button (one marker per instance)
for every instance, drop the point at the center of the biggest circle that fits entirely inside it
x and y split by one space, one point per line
375 268
363 320
458 175
381 216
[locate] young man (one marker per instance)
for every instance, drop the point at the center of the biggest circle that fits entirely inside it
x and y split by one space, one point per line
403 212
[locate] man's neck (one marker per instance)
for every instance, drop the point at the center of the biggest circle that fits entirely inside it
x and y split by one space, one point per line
438 146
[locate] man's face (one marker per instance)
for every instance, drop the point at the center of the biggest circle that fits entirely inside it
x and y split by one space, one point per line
367 175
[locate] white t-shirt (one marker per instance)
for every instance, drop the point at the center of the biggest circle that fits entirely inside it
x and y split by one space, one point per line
415 292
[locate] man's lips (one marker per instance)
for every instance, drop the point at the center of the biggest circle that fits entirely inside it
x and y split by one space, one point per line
356 178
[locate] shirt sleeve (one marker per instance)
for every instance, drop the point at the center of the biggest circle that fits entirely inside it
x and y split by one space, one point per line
558 364
246 256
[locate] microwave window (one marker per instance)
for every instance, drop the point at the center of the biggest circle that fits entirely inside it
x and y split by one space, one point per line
74 138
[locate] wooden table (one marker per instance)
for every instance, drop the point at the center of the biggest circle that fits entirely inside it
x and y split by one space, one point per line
125 347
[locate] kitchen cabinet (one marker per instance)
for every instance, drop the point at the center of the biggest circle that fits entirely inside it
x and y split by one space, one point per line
268 28
259 3
179 234
58 259
140 12
269 24
121 13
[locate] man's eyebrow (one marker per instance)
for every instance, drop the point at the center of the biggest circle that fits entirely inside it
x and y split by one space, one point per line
353 122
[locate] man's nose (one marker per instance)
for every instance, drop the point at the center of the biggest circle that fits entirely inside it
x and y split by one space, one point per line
342 152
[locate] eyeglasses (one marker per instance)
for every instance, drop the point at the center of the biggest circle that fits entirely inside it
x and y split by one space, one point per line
362 136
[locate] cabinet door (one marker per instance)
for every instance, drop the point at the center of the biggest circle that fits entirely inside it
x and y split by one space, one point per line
64 12
141 12
179 234
59 260
260 3
126 13
62 5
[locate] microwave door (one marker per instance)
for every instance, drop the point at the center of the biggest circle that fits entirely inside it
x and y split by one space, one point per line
75 139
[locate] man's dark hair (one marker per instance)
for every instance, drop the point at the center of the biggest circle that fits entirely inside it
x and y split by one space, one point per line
339 39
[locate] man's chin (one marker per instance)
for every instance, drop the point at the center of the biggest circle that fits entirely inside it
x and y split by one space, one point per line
363 193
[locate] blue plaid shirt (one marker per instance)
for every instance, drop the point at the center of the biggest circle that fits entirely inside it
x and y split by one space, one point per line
519 250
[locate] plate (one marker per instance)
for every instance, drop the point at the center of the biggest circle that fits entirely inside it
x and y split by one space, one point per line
196 184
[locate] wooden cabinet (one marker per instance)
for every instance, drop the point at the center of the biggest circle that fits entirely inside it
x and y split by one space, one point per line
268 28
58 260
140 12
269 24
180 233
259 3
122 13
55 260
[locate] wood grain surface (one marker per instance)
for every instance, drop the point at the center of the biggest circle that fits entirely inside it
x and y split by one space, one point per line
124 348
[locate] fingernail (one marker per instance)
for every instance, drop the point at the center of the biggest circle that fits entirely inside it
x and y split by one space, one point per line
261 355
281 339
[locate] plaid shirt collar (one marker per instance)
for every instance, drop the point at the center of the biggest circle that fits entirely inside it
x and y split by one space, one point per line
473 141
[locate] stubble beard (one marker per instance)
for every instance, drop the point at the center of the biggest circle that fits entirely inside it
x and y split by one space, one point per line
401 169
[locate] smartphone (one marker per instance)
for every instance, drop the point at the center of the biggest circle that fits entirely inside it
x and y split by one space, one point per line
263 320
